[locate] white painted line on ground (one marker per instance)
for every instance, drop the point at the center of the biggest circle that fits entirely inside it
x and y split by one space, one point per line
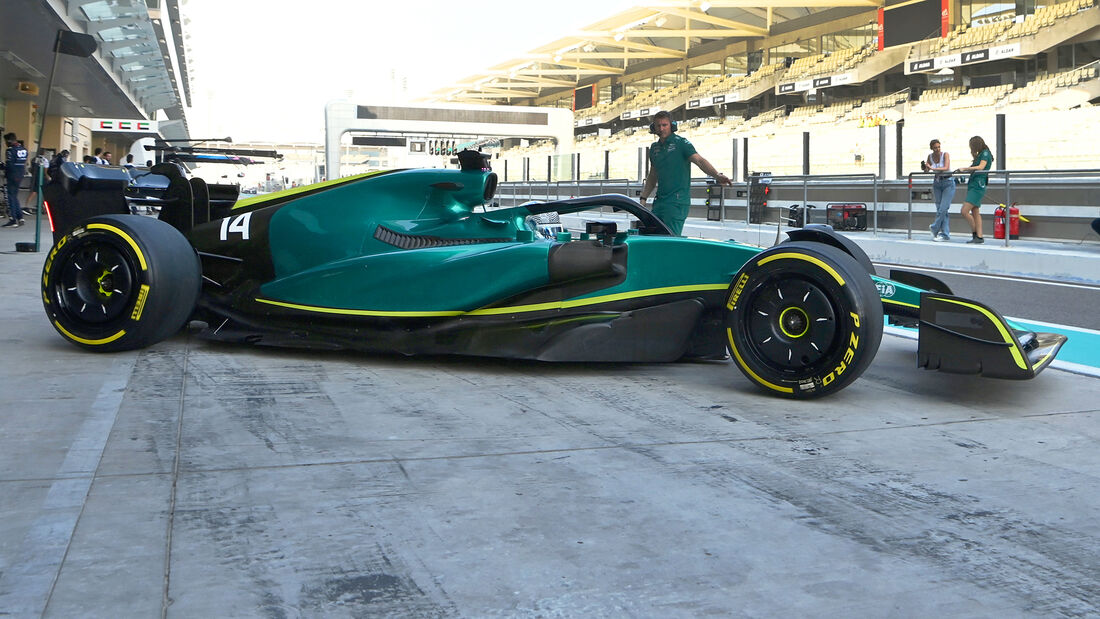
27 583
1054 325
1015 278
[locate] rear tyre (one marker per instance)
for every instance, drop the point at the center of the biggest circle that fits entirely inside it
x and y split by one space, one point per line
120 282
803 319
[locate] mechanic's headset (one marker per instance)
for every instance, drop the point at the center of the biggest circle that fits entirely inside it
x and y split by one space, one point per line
653 126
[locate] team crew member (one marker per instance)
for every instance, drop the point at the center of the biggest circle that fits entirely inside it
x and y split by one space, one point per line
670 160
15 167
975 189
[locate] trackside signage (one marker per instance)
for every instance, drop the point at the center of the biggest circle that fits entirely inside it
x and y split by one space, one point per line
729 97
825 81
971 56
124 126
641 113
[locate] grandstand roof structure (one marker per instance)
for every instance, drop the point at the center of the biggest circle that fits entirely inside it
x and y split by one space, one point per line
669 30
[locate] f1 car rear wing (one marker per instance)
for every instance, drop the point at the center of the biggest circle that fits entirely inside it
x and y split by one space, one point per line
80 191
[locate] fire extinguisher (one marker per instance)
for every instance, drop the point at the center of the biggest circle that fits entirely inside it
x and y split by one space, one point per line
1014 218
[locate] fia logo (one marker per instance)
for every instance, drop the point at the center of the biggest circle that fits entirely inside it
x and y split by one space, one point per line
885 289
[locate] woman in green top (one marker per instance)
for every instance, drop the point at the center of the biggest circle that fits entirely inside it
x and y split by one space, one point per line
975 189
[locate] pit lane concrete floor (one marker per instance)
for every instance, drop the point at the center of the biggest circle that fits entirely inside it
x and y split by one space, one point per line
200 480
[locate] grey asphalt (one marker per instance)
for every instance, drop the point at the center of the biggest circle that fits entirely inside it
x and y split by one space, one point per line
199 480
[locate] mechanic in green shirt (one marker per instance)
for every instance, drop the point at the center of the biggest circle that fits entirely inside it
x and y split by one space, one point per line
670 160
975 189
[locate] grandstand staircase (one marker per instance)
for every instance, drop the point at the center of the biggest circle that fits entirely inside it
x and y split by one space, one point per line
759 87
1062 31
879 63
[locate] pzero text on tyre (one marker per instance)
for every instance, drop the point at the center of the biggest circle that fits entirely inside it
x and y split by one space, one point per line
120 282
803 319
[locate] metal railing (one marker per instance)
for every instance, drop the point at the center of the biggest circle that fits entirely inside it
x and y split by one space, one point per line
1007 176
882 196
825 180
554 190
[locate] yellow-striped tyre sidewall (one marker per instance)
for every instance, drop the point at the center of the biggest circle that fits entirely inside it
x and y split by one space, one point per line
842 330
159 268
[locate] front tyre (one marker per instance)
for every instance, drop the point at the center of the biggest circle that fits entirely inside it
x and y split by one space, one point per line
120 282
803 319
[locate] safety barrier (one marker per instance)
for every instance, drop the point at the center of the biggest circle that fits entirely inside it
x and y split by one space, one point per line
1057 202
1006 177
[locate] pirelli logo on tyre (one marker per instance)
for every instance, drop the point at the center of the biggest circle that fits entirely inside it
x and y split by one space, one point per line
732 303
143 294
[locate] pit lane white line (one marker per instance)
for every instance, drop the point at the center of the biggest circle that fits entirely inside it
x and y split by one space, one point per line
27 583
1014 278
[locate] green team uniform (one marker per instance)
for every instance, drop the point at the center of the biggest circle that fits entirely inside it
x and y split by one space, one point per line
672 162
975 188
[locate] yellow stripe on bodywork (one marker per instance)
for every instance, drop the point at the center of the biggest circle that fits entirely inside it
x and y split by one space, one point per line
496 311
106 340
304 188
755 376
1019 358
538 307
355 312
900 303
125 237
796 256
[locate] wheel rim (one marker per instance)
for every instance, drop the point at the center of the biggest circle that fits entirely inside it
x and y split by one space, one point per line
95 284
790 324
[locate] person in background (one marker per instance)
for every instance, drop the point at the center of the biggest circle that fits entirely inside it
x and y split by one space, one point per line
55 164
41 162
975 188
129 161
943 189
106 159
15 168
96 156
670 159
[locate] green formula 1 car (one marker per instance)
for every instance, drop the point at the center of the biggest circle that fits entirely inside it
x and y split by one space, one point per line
414 262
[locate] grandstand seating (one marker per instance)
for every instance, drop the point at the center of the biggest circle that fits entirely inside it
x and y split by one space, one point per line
1001 31
1038 112
1053 109
826 64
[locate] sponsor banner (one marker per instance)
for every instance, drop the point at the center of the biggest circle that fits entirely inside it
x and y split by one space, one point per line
968 57
1004 51
975 55
729 97
125 126
880 30
824 81
921 65
843 78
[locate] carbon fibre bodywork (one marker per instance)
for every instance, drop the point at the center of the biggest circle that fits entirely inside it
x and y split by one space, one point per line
417 262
